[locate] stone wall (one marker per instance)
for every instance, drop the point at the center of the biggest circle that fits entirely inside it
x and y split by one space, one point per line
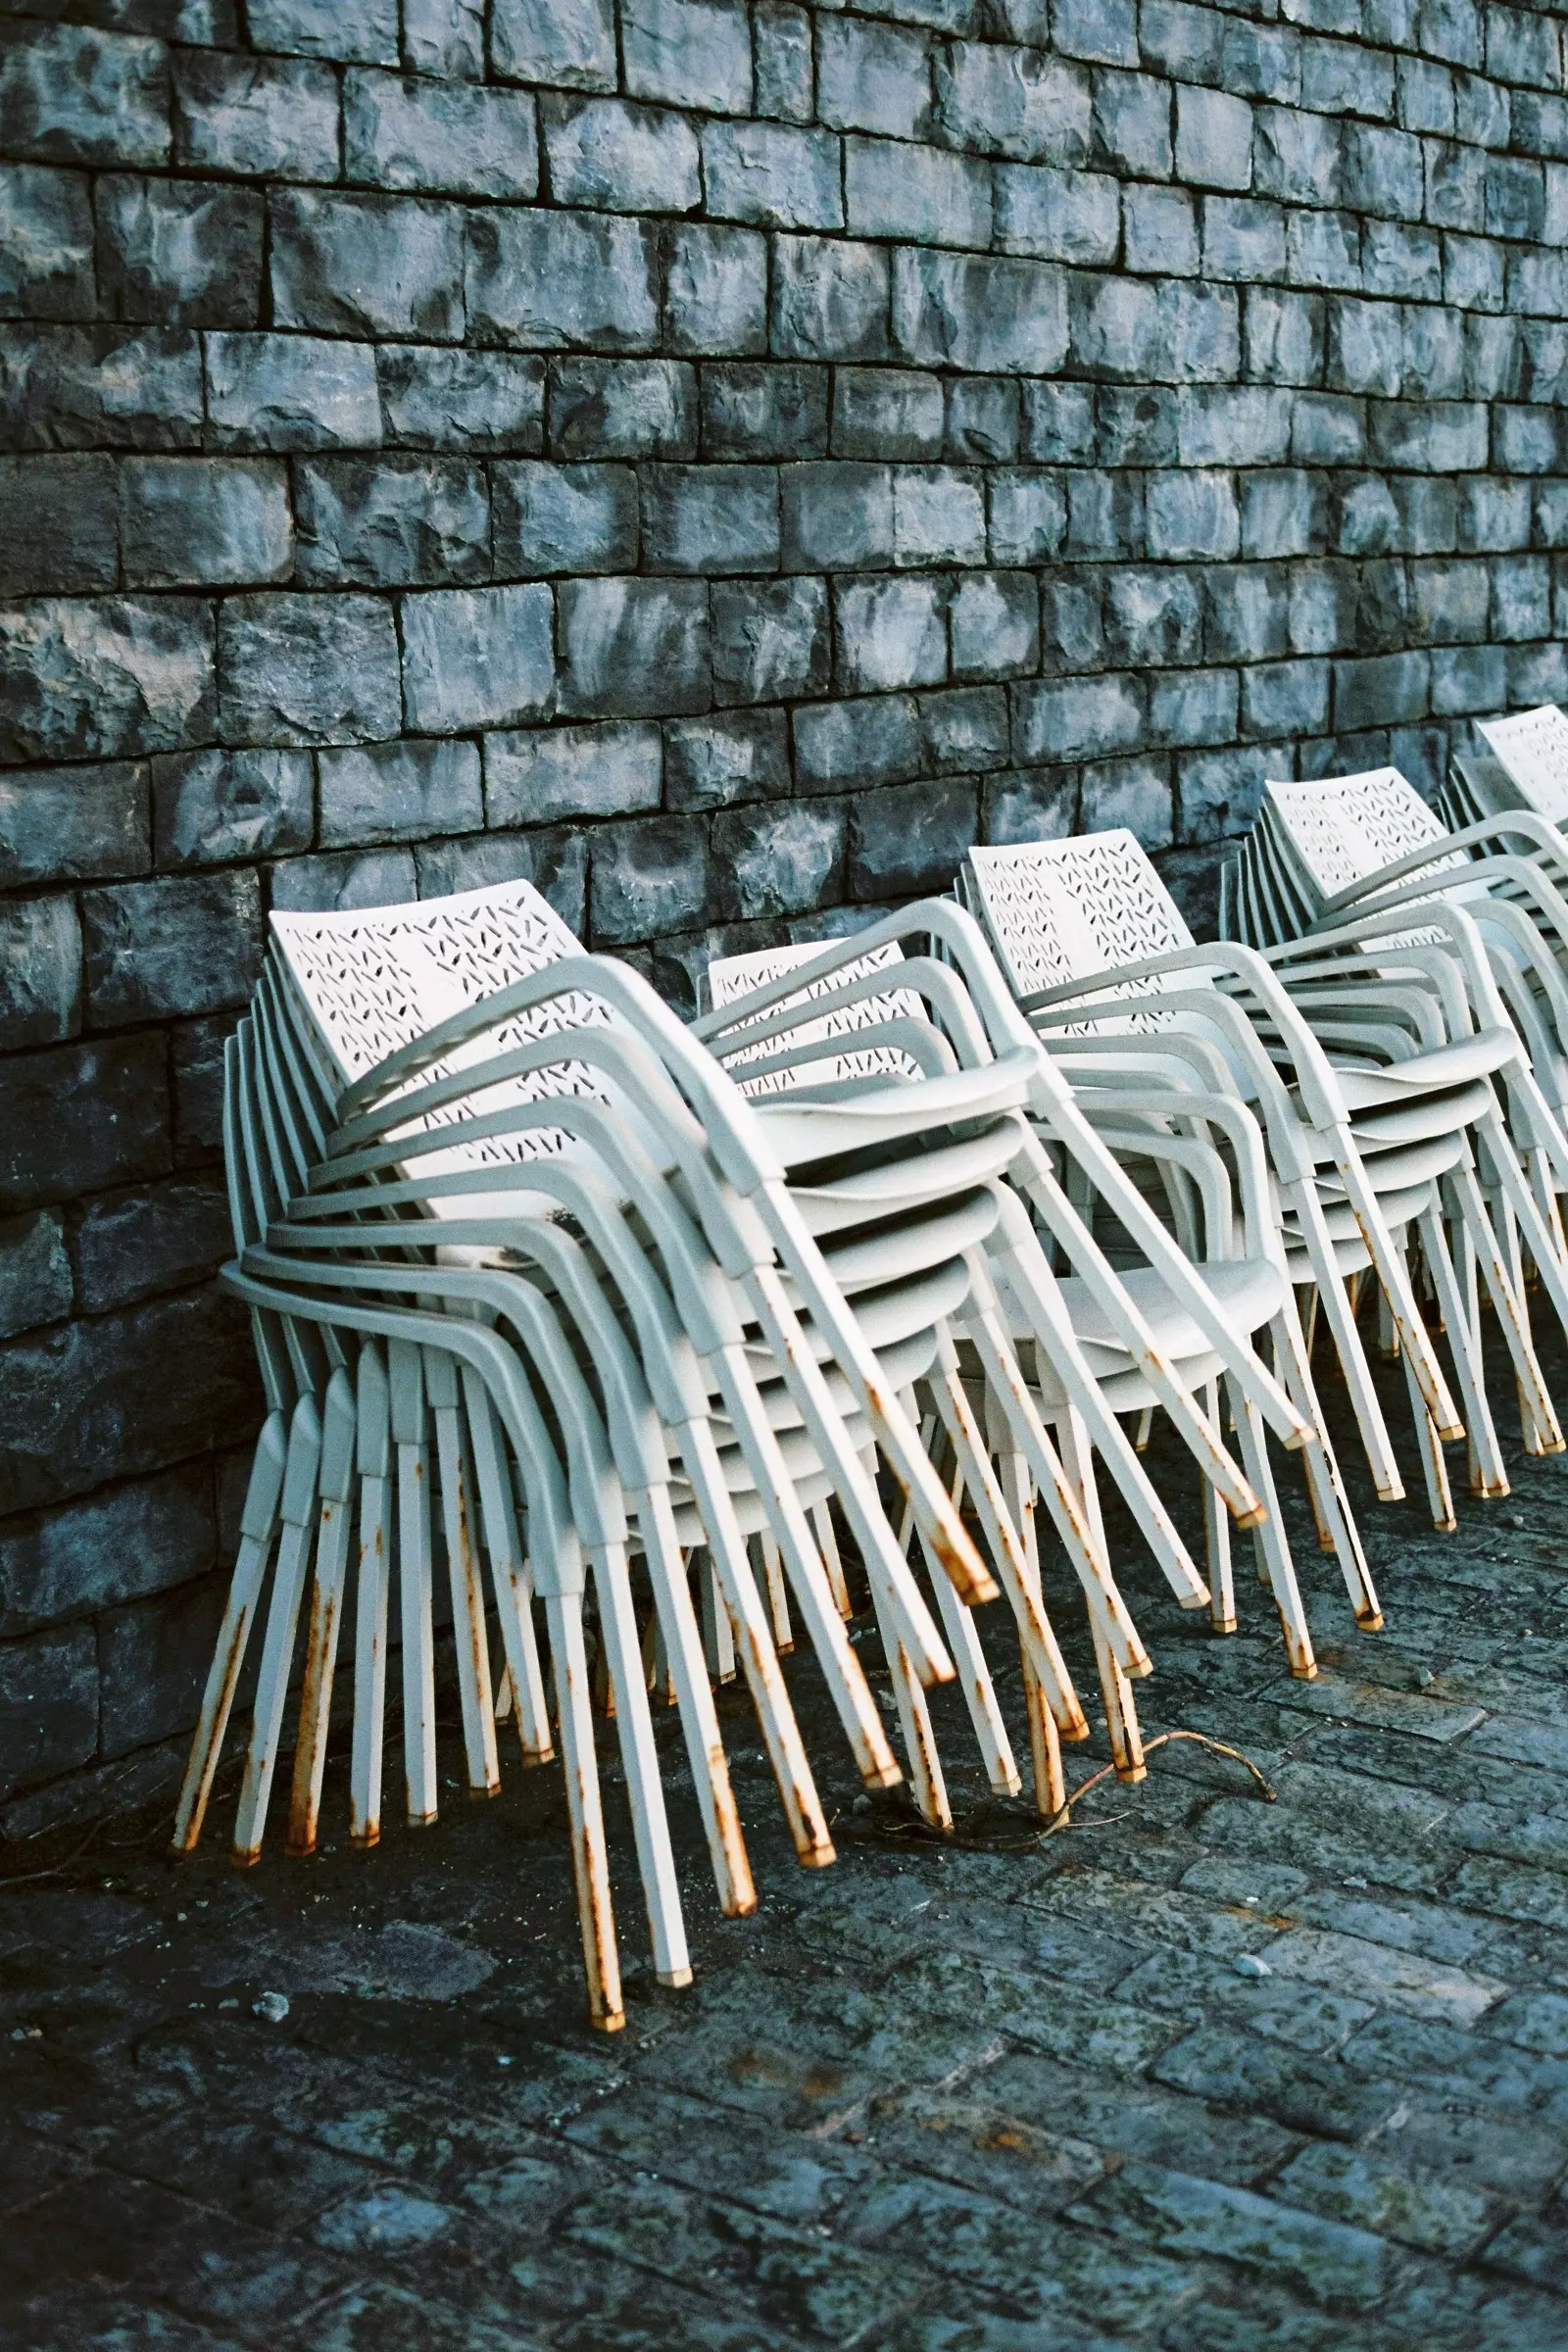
717 459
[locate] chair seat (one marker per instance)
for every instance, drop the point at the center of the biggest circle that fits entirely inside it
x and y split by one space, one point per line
803 1133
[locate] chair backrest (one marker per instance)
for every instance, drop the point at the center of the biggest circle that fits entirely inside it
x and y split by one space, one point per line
1339 829
1058 911
1532 747
729 978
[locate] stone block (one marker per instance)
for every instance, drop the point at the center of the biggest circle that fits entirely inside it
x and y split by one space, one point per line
1180 41
1341 77
103 677
874 77
365 33
830 299
1245 614
993 621
67 387
1286 337
623 408
1218 793
1214 138
910 840
781 35
1245 425
1116 329
1242 238
1283 513
983 420
550 519
198 522
1136 793
1059 216
1516 197
49 1704
568 42
333 884
1193 706
1298 158
1260 61
1494 516
59 524
1430 436
1152 616
1138 426
620 157
982 316
179 252
151 1660
836 516
1469 678
1382 172
476 658
1285 700
769 639
938 516
1036 109
1449 602
710 519
1382 691
369 264
716 290
1161 231
1323 249
74 95
67 824
889 632
1435 351
46 239
845 746
1328 429
79 1116
1105 515
1193 516
402 791
632 648
145 1536
295 670
445 37
1525 440
1103 30
391 521
40 971
291 392
1057 424
1429 514
211 807
1426 96
650 877
543 775
417 135
1400 261
784 858
965 731
142 1244
435 398
1456 186
689 53
1057 719
554 859
542 279
713 763
35 1288
771 175
887 413
1072 634
1493 356
1024 807
1521 598
1131 124
254 117
1365 348
191 942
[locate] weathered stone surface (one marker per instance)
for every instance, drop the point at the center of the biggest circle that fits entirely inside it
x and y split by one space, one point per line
549 518
621 158
365 33
131 1245
688 53
179 252
35 1285
710 762
40 971
401 134
50 1701
46 237
80 1117
367 265
291 392
770 639
623 408
716 290
435 398
211 807
255 116
392 521
149 1658
1003 317
775 862
195 521
104 677
650 877
59 524
540 777
633 646
70 94
476 658
571 42
185 944
305 669
64 387
540 281
399 792
710 519
134 1540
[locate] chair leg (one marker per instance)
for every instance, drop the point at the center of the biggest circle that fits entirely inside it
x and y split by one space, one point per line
1330 1502
333 1538
1487 1475
1340 1318
1045 1738
283 1618
596 1917
419 1649
470 1638
634 1728
1508 1303
827 1543
927 1785
1217 1539
509 1573
1273 1551
369 1662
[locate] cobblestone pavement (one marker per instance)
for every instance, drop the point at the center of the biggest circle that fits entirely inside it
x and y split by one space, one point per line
1202 2072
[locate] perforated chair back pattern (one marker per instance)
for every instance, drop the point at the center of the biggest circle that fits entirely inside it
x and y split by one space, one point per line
1060 910
1532 749
731 976
1339 829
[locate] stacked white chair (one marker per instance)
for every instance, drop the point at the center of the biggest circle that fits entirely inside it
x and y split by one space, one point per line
1521 762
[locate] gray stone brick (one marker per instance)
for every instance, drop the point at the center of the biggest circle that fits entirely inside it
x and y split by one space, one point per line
713 763
1524 47
839 746
837 518
153 1534
1521 598
1262 60
291 392
893 189
402 134
1339 77
131 1245
1061 216
689 53
1449 602
1285 700
1434 352
1136 793
1152 616
46 234
1244 425
76 1117
1382 172
1469 678
623 408
1105 515
938 516
710 519
993 623
211 807
392 521
965 731
1379 692
435 398
68 94
634 646
770 639
1367 520
1180 41
364 35
1365 348
1494 516
1525 440
1131 127
1218 792
779 860
254 117
69 824
1298 158
1430 436
1161 228
187 522
1117 329
179 252
764 412
1283 513
543 280
295 670
1396 260
890 633
399 792
570 43
187 944
887 413
1516 197
40 971
830 299
550 519
649 878
1456 186
1014 102
1429 511
1426 96
476 658
1103 30
781 37
1137 426
445 37
34 1287
59 524
1242 238
621 158
1075 718
982 418
988 317
369 264
1192 706
103 679
1214 139
1285 336
1058 423
1071 622
553 857
1193 516
1328 429
49 1690
1323 249
1245 615
906 842
1494 357
150 1660
347 879
874 77
716 282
